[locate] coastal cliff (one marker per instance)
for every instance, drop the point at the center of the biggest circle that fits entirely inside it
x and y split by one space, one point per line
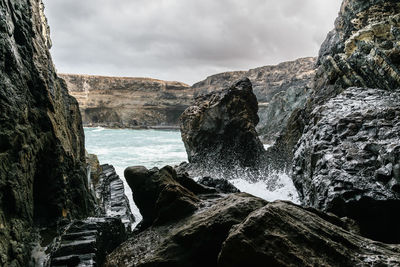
42 158
122 102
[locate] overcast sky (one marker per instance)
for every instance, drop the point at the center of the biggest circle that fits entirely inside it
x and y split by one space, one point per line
184 40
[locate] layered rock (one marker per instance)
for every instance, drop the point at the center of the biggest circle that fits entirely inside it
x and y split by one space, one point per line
219 129
348 160
128 102
279 90
42 169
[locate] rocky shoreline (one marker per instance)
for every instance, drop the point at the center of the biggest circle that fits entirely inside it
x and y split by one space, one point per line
341 147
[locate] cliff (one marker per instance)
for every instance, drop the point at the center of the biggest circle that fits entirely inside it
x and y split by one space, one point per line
42 160
128 102
280 89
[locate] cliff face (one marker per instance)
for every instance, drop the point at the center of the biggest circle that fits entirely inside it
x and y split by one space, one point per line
128 102
42 159
279 89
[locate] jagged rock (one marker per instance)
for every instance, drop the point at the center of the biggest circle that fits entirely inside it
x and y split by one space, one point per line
42 159
123 102
222 185
279 90
94 169
219 129
194 241
348 160
87 242
284 234
158 194
111 196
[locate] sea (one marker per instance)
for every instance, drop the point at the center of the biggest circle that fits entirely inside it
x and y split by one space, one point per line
156 148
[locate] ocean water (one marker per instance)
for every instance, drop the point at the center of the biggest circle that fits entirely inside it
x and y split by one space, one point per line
156 148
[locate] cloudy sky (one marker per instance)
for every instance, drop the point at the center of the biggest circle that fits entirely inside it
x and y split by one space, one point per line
184 40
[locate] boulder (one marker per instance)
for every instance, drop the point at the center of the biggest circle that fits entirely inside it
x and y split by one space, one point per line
158 195
221 185
348 160
194 241
219 129
284 234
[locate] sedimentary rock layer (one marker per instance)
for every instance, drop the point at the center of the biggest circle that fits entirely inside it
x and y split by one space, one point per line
128 102
42 158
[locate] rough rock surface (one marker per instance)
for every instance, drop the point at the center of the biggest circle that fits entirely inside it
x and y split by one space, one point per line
158 194
111 197
87 242
194 241
128 102
219 129
279 90
284 234
42 158
348 160
221 185
361 51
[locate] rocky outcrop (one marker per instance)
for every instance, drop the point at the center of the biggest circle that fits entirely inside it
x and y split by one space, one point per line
124 102
279 89
219 129
348 160
42 158
159 195
243 230
284 234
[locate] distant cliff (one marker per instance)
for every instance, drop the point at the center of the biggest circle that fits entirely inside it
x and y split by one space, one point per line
279 89
128 102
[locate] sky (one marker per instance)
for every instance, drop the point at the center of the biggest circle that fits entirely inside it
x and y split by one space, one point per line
184 40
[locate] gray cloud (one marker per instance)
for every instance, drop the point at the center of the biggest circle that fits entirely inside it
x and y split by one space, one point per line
184 40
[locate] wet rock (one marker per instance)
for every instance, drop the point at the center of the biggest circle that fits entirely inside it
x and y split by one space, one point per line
158 194
194 241
42 159
87 242
347 160
284 234
221 185
219 129
111 197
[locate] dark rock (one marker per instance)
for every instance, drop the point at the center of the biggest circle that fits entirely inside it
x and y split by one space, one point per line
42 158
284 234
111 197
87 242
158 194
219 130
347 160
193 186
222 185
194 241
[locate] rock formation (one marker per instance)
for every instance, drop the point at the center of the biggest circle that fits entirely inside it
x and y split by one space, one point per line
348 160
42 157
219 129
128 102
242 230
279 89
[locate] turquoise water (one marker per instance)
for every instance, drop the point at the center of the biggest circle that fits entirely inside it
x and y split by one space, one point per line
156 148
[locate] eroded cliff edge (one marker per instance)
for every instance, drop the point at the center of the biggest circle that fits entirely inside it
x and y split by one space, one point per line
125 102
42 159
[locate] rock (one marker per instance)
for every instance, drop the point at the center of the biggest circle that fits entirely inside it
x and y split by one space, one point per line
194 241
94 169
346 159
125 102
111 197
279 90
284 234
219 129
158 195
222 185
87 242
42 159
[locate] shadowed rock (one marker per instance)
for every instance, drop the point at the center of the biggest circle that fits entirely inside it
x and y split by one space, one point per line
219 129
